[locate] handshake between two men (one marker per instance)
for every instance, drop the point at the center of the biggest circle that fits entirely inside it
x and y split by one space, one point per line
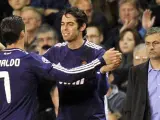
112 58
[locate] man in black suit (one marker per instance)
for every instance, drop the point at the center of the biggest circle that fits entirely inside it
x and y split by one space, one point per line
143 93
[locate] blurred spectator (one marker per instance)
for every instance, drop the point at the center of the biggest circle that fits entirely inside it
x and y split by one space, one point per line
5 9
129 13
154 3
115 97
94 34
48 103
17 5
72 2
94 17
103 7
130 17
140 54
155 8
46 37
86 6
113 4
129 38
32 19
50 6
158 2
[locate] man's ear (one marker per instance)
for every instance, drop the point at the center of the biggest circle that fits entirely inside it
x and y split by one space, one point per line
22 34
83 27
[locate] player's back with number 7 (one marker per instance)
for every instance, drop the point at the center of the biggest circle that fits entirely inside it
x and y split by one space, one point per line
20 73
18 84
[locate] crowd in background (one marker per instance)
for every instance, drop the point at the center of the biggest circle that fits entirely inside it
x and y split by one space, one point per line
111 23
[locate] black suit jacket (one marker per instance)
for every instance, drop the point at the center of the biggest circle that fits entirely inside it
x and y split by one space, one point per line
137 101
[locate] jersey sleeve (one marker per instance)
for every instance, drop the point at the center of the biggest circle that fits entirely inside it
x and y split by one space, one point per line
50 54
103 85
42 67
53 53
56 72
100 53
71 75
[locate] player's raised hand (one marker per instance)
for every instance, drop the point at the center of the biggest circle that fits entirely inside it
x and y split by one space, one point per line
112 56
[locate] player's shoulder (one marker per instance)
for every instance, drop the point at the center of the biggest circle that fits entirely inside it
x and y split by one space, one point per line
38 58
92 45
60 45
57 47
15 53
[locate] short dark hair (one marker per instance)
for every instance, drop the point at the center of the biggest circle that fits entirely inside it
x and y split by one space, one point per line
81 17
11 28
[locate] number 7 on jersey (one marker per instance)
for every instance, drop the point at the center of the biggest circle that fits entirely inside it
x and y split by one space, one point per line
5 75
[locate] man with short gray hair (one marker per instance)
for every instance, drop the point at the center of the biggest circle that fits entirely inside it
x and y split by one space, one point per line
46 37
143 94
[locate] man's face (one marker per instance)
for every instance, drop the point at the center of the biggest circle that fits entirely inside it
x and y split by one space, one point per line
140 57
87 8
31 20
47 38
18 4
69 28
153 46
127 11
45 41
93 35
127 43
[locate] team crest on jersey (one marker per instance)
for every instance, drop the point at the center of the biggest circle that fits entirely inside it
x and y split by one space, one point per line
45 60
